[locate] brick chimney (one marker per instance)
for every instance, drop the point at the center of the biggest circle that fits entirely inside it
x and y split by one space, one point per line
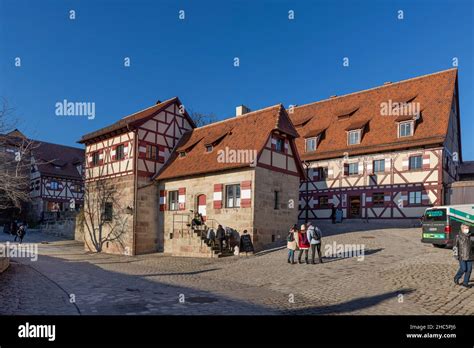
241 110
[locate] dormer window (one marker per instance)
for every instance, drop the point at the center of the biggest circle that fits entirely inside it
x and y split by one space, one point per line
209 148
311 144
405 129
353 137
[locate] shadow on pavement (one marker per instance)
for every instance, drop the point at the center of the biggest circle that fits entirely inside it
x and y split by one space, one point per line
353 305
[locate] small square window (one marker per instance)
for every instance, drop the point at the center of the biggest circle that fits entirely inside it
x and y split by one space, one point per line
95 158
108 211
378 198
322 173
152 152
120 152
232 196
379 166
415 162
173 203
353 168
324 201
182 154
414 197
353 137
209 148
280 145
311 144
405 129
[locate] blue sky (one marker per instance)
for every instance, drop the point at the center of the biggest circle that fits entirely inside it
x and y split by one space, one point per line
292 62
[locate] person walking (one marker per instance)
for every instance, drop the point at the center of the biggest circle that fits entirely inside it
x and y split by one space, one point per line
465 256
314 236
220 235
21 232
303 244
292 244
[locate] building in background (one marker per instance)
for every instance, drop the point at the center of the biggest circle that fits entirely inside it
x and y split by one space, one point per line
387 152
55 174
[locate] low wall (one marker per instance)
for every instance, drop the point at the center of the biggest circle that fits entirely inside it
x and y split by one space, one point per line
60 228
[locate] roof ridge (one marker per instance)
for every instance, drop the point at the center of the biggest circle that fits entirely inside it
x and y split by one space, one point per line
230 118
377 87
148 108
55 144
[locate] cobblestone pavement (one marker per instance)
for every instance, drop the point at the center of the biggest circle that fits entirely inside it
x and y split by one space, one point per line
398 275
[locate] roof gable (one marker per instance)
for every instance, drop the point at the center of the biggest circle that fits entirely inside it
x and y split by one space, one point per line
134 120
248 132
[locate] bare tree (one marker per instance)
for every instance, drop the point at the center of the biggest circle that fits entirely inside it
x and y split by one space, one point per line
15 162
201 119
105 220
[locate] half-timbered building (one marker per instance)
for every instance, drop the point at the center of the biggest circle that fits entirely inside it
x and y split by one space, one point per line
56 175
126 155
56 179
387 152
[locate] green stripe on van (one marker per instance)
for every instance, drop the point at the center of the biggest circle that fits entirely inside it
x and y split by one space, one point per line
461 213
463 221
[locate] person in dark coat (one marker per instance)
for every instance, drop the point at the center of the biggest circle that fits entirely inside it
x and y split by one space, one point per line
333 214
220 235
465 256
21 232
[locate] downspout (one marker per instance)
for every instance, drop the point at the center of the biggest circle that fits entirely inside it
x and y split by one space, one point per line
135 193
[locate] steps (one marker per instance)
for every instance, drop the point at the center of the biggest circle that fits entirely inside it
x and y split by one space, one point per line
192 243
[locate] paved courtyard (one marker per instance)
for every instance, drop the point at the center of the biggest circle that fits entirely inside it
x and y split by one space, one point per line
398 275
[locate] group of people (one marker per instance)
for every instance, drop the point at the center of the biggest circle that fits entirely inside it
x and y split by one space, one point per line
226 238
17 229
303 239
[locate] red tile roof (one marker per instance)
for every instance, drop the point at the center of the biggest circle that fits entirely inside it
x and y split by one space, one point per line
132 120
434 92
247 132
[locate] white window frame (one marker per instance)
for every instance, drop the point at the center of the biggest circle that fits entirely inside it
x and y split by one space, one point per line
356 165
402 125
233 197
414 197
420 162
311 140
374 167
353 132
173 203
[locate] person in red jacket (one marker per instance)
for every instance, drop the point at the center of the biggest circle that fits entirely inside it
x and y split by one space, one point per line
303 244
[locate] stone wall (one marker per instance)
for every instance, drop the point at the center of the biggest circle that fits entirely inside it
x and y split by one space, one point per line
122 222
236 218
272 225
61 228
147 238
